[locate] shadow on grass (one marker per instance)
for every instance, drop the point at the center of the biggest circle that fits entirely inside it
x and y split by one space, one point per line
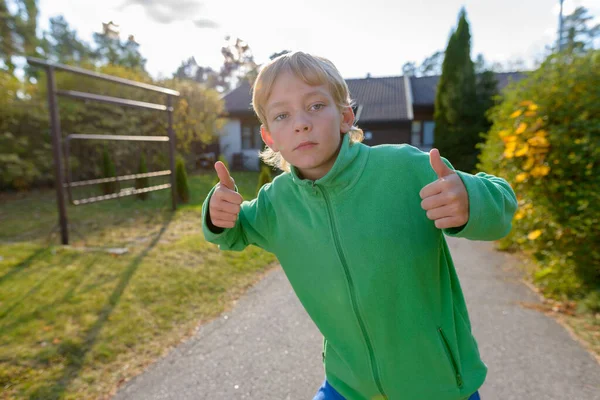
24 264
75 352
39 312
34 289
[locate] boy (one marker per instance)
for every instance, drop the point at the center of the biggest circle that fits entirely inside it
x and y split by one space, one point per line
359 231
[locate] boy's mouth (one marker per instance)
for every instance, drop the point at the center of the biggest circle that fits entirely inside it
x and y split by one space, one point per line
305 146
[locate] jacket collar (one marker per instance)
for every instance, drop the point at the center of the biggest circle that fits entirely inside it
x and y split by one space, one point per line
346 170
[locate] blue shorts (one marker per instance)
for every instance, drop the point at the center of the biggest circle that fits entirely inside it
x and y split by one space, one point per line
327 392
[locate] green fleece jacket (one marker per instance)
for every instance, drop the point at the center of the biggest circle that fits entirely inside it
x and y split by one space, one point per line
373 272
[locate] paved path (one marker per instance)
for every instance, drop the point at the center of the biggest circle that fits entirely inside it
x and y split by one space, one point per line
267 348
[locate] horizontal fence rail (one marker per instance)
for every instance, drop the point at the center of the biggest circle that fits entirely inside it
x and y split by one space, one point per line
118 178
114 79
118 137
111 100
122 193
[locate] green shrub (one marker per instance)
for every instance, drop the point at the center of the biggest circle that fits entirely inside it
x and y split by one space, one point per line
545 140
108 171
183 189
592 302
264 178
25 141
142 182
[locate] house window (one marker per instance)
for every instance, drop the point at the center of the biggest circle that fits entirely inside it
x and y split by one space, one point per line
428 128
415 138
251 139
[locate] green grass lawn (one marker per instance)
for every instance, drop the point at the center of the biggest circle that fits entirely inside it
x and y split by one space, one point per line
75 321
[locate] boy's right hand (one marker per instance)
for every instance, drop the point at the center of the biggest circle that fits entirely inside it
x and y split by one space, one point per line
225 202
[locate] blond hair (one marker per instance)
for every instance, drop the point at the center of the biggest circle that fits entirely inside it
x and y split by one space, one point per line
314 71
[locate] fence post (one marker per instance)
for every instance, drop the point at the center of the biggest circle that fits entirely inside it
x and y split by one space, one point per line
57 150
172 151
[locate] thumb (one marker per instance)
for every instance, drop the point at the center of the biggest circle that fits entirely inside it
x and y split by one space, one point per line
440 168
224 177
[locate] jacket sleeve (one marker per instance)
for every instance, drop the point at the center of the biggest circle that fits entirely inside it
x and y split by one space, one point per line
252 226
492 204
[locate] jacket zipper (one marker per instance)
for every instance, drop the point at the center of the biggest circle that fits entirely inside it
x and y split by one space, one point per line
353 294
459 381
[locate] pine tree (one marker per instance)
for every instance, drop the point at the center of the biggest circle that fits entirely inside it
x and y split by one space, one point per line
457 115
108 171
18 34
264 178
577 36
63 44
183 189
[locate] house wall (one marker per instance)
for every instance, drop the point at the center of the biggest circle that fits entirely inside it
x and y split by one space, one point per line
230 142
423 113
386 132
230 139
250 159
396 132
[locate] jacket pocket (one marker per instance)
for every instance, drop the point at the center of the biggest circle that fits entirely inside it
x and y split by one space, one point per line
451 358
336 367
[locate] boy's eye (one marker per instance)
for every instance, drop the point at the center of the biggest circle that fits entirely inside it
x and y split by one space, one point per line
317 106
279 117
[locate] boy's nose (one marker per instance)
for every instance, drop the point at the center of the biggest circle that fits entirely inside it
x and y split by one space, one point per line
302 126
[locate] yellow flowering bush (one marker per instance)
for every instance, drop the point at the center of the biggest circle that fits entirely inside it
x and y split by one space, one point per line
545 140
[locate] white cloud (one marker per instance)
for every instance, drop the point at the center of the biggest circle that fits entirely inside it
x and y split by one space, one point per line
166 12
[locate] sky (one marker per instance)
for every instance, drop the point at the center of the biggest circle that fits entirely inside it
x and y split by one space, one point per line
360 37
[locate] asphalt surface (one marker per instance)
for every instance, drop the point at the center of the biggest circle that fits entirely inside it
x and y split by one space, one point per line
267 347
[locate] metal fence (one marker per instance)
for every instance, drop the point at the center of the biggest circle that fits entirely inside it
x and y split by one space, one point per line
65 182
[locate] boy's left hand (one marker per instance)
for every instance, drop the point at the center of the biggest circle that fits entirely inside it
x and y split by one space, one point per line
445 200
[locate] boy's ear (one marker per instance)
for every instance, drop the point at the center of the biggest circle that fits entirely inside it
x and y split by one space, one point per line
347 119
267 138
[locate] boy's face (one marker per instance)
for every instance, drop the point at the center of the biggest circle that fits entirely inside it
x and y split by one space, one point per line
305 125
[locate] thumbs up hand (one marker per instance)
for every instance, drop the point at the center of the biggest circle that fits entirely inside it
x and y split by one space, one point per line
446 200
225 202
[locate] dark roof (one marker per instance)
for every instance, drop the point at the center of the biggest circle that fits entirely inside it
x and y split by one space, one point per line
239 99
504 78
423 88
380 99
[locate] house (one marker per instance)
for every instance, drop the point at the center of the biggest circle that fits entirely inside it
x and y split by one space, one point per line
397 109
